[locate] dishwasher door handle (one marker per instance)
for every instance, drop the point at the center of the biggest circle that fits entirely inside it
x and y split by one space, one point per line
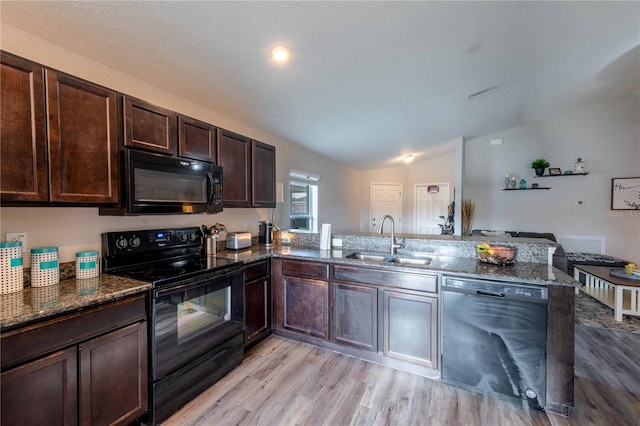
488 293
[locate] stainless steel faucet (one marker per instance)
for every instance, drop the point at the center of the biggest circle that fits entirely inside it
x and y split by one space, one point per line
393 247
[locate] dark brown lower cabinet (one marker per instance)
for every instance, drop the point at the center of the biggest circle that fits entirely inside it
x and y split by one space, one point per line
99 378
306 306
42 392
113 377
410 327
257 295
355 316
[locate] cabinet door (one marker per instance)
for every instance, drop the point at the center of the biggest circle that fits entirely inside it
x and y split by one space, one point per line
410 327
233 156
23 152
196 139
113 377
83 147
149 127
263 174
306 307
41 392
257 309
355 316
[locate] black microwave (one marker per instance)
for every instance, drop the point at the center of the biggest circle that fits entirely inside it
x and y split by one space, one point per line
161 184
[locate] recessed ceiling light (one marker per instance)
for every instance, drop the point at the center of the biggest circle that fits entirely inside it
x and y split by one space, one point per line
280 53
408 158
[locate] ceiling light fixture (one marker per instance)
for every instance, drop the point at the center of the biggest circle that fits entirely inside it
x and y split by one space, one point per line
485 91
280 53
408 158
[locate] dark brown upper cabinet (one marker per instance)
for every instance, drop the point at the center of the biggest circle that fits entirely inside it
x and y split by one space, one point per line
196 139
263 175
23 139
58 141
234 157
149 127
249 171
83 145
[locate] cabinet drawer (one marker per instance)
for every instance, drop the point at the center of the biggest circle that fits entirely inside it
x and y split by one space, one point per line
409 280
255 270
39 339
305 269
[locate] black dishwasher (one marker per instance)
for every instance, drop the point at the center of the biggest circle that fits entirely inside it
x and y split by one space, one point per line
494 338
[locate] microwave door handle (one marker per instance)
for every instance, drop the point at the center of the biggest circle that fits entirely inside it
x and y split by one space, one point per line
211 192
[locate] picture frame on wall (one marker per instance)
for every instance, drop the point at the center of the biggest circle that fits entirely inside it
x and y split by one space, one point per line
554 171
625 193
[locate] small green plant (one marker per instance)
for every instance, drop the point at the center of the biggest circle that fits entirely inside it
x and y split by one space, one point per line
540 163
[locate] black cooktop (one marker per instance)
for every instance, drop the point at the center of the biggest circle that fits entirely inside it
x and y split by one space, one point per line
177 270
160 256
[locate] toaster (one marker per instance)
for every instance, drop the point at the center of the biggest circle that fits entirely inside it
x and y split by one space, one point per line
238 240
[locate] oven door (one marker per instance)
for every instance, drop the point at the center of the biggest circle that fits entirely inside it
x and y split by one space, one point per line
159 184
193 317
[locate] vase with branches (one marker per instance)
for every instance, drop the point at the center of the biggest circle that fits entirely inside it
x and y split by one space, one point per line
468 210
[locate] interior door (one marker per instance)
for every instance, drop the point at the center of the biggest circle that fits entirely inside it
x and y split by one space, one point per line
386 198
432 201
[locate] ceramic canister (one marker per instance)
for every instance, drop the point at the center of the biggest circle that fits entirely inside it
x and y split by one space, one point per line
86 264
11 267
44 266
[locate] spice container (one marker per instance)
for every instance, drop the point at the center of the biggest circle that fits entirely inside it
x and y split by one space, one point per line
44 266
11 267
86 264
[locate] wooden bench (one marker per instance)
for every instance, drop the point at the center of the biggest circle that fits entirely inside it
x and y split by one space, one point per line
620 294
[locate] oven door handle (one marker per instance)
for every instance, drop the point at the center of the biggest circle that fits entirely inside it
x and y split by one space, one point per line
197 282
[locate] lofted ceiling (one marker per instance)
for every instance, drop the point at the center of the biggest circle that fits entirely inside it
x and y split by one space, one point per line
368 81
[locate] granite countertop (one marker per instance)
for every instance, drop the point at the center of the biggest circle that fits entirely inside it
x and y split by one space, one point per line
35 303
521 272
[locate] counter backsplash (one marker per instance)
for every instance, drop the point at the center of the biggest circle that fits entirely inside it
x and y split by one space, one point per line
67 270
528 250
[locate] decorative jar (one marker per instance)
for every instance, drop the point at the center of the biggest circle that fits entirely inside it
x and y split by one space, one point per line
86 264
44 266
11 279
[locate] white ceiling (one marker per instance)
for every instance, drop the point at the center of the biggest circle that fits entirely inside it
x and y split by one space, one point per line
368 81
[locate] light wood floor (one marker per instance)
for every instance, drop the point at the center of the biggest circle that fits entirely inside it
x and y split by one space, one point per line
284 382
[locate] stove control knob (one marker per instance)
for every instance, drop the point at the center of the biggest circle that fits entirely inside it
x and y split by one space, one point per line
193 236
121 242
183 238
135 241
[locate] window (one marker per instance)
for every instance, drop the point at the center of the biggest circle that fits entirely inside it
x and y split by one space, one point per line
303 202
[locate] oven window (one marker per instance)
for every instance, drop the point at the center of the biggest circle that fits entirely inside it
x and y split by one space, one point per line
199 314
161 186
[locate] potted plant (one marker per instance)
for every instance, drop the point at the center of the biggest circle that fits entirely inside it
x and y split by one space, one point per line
539 165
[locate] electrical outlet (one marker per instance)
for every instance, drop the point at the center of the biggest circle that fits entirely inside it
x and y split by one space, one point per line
336 242
18 236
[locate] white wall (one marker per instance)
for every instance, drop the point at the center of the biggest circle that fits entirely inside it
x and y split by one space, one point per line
606 136
434 170
75 229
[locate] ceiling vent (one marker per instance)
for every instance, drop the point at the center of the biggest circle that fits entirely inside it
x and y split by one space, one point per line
485 91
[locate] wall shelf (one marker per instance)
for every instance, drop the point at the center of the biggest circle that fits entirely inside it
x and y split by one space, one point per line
562 175
524 189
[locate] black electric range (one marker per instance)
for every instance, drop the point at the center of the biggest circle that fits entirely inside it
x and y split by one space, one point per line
196 311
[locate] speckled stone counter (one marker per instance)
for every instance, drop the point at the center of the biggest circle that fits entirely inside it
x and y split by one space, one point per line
469 267
35 303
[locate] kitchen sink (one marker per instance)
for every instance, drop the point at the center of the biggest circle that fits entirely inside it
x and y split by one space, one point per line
412 260
388 258
377 257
